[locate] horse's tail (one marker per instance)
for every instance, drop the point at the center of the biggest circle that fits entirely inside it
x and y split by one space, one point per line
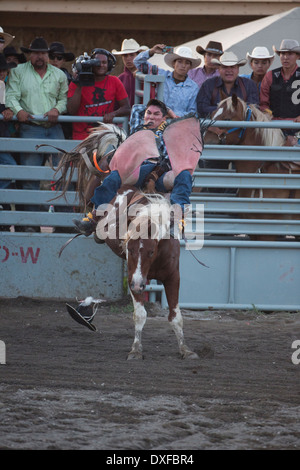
90 157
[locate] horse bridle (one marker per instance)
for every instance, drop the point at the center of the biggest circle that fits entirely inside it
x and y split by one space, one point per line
222 136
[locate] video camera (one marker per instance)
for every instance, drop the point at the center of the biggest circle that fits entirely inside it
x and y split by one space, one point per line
83 69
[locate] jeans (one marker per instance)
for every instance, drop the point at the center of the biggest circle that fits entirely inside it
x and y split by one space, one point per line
180 194
37 159
182 189
104 193
6 159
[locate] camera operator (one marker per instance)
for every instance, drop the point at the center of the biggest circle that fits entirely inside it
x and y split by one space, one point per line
107 97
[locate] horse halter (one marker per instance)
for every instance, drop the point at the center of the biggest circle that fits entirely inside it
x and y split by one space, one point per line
223 135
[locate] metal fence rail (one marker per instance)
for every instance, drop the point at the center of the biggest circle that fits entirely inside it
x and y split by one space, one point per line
242 273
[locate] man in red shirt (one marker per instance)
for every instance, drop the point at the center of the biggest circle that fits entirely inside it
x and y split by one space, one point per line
129 50
107 97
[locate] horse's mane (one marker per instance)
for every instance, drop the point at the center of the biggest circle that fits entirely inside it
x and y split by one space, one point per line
153 216
102 139
270 137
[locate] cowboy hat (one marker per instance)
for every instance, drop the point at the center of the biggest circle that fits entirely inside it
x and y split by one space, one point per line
288 45
129 46
212 46
11 51
228 59
260 53
37 45
181 52
57 48
6 37
6 65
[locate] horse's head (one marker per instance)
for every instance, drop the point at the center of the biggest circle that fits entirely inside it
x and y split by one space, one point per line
229 109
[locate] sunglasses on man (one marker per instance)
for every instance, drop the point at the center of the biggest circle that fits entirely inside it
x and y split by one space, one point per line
58 57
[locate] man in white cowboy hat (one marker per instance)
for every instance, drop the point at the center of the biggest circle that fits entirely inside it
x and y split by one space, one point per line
129 50
179 90
280 88
213 50
260 60
215 89
5 39
37 88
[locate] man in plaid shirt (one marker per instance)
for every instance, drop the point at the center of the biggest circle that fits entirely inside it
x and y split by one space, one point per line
151 117
137 123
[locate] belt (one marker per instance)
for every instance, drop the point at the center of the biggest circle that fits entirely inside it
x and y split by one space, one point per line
34 124
151 160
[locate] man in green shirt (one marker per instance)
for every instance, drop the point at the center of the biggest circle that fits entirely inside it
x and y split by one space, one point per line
37 88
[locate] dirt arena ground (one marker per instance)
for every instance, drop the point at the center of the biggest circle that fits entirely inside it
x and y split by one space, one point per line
65 387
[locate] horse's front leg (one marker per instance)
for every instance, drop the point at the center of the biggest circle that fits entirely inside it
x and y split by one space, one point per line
139 317
176 320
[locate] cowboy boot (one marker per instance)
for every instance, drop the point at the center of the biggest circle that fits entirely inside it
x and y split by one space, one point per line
177 222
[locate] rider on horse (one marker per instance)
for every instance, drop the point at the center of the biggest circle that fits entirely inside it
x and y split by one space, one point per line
156 157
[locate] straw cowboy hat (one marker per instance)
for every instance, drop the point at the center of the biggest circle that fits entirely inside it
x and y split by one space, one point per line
260 53
288 45
212 46
181 52
37 45
130 46
6 37
57 48
228 59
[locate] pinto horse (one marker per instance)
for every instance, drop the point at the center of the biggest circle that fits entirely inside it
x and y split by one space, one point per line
150 253
235 109
135 225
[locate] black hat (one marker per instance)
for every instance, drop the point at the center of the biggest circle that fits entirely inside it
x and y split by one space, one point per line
57 48
212 46
6 65
37 45
11 51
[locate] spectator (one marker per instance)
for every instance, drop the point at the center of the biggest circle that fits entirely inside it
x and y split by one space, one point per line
37 88
11 55
101 98
180 91
279 93
129 50
214 89
5 158
260 60
58 58
5 39
154 119
213 50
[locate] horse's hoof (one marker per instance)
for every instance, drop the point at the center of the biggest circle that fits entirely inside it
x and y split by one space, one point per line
98 240
135 355
190 355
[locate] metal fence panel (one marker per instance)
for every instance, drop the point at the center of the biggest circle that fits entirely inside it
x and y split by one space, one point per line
241 275
30 267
